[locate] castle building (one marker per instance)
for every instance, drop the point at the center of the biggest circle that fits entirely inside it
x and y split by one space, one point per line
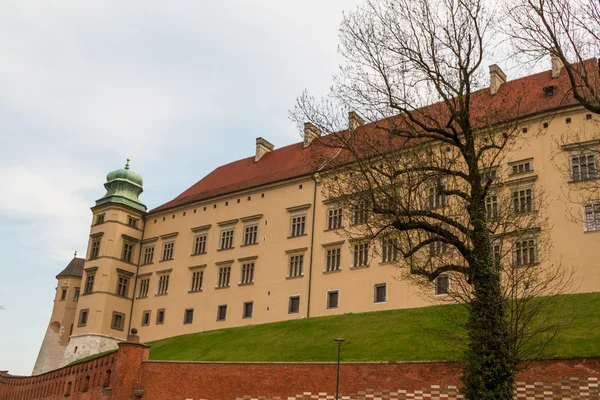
256 241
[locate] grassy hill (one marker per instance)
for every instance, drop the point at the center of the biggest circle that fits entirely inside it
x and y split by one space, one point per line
429 333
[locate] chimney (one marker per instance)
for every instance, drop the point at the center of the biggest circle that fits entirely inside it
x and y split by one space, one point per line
311 132
262 148
497 78
556 64
354 120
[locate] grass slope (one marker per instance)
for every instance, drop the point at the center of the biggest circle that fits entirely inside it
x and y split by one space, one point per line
397 335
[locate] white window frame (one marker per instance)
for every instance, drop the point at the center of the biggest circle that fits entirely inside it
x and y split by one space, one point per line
335 218
334 258
594 208
227 237
389 250
251 234
168 249
579 155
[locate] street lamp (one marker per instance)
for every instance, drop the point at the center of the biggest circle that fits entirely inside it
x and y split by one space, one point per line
339 342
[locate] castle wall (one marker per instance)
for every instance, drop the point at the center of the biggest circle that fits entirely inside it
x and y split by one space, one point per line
81 346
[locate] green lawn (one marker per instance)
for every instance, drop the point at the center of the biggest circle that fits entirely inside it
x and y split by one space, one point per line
430 333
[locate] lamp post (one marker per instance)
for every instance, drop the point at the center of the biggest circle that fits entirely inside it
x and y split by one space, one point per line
339 342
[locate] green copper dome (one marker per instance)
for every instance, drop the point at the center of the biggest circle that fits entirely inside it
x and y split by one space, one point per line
123 186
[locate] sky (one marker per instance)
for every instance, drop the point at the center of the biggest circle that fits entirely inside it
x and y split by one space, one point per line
180 87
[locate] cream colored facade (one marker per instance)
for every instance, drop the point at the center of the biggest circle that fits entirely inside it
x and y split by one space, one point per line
270 287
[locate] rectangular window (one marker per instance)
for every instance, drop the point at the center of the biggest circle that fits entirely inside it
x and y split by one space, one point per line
247 310
489 174
100 219
222 312
132 222
294 305
298 225
525 252
332 299
95 252
436 197
437 248
127 252
224 276
146 318
227 239
583 166
160 316
144 286
361 255
118 321
491 206
122 286
250 234
148 255
63 294
247 274
497 254
89 282
188 316
360 214
296 267
197 277
592 217
334 218
522 200
521 167
380 293
168 250
83 317
76 294
200 244
442 285
163 284
334 257
389 250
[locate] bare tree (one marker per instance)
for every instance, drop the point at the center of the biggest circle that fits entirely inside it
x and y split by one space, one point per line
423 180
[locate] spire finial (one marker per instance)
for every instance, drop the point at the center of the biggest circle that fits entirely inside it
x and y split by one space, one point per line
75 255
127 165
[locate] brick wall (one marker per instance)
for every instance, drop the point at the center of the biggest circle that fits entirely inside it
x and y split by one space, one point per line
128 375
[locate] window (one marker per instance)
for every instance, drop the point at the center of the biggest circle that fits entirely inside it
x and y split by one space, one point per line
298 225
100 219
123 286
583 166
132 222
144 286
361 255
333 259
118 321
224 276
592 217
127 252
489 174
222 312
200 244
389 250
497 254
76 294
148 255
247 274
491 206
294 305
442 285
160 316
436 197
332 299
89 282
250 234
227 239
522 200
437 248
521 167
360 214
296 266
247 309
146 318
163 284
197 277
63 294
168 250
380 293
334 218
83 317
95 252
525 252
188 316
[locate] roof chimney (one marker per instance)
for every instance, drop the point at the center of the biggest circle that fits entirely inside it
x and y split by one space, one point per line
354 120
557 64
262 148
497 78
311 132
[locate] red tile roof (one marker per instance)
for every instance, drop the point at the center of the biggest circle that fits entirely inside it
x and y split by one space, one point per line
515 99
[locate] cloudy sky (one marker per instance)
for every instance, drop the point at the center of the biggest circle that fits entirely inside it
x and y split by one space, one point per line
180 87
